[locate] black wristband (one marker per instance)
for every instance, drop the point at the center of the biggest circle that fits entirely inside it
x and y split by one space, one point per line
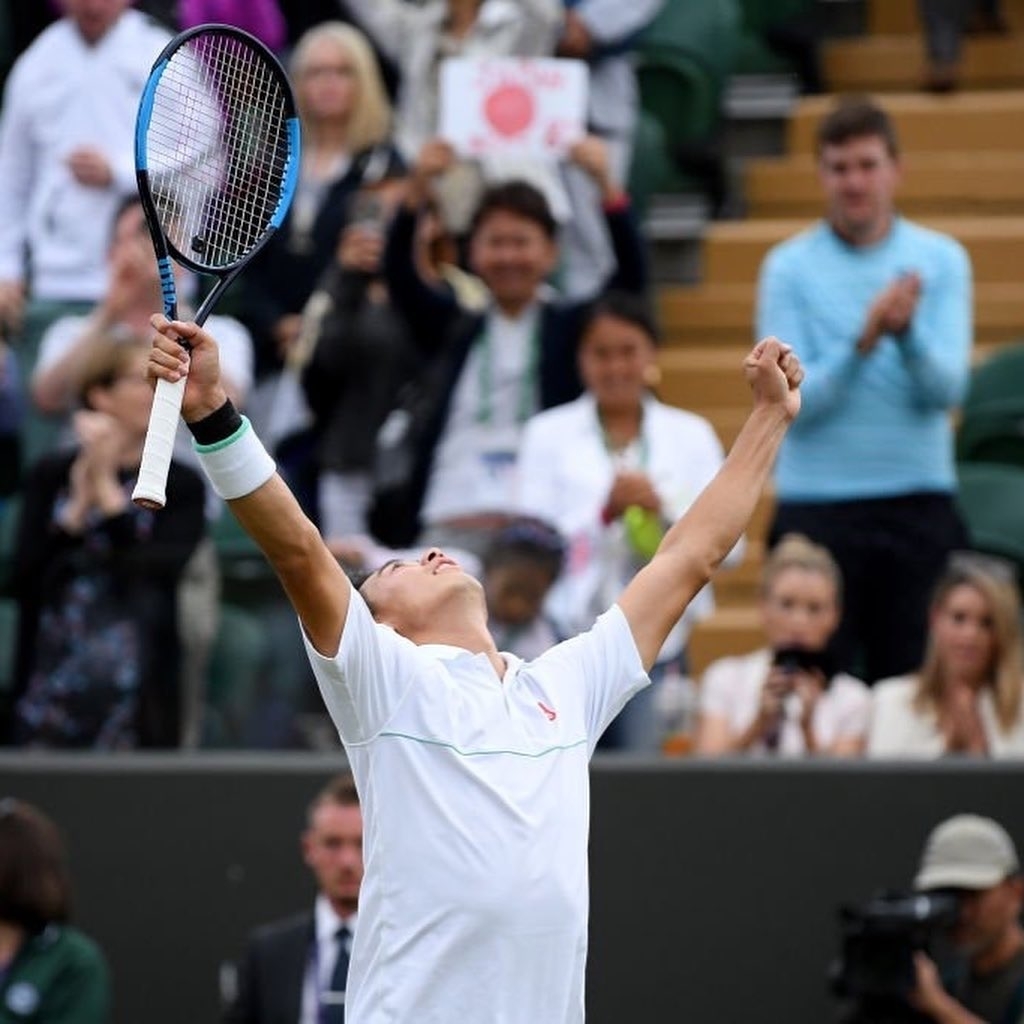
220 424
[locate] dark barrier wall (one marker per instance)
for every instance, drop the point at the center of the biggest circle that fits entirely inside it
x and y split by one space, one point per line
714 886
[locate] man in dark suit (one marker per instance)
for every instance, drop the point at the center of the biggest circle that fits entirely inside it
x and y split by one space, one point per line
294 970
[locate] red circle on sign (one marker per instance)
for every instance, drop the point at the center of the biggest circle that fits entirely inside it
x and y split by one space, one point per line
509 109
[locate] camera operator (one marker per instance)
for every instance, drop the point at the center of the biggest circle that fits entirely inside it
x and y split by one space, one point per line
976 858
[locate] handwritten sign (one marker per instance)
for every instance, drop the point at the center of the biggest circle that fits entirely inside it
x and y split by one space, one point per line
513 106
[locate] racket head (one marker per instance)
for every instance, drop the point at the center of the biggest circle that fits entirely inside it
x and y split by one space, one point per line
217 144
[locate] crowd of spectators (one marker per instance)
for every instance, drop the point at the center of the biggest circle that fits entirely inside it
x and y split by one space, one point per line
463 353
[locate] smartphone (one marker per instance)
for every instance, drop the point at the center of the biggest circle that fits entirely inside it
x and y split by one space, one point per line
802 659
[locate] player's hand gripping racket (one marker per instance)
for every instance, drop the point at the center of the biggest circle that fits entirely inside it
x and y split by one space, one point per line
216 160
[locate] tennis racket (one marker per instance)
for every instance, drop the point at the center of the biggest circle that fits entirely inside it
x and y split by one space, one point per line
216 161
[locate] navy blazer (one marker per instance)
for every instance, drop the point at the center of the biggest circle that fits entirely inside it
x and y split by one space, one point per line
272 973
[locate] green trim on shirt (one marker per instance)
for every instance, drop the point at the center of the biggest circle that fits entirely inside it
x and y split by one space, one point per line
482 753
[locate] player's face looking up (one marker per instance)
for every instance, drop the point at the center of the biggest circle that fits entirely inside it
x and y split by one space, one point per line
413 596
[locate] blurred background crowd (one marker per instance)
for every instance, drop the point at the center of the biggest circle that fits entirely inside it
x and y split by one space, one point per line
534 364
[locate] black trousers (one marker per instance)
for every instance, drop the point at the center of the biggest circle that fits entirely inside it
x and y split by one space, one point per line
891 552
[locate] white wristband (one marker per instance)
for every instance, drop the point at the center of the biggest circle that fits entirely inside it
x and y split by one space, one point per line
237 465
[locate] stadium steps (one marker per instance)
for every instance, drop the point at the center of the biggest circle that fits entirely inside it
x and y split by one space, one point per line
965 176
723 314
899 62
965 122
900 17
989 183
733 251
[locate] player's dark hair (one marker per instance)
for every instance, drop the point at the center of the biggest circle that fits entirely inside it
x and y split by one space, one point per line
530 540
519 198
855 117
627 306
35 888
357 577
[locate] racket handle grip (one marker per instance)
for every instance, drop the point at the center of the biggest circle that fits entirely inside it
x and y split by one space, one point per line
151 487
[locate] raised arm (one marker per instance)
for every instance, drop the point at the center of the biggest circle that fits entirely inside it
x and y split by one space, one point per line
697 543
243 473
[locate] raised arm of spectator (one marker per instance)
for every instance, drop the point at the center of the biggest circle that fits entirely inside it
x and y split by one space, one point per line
421 302
244 475
698 542
630 271
610 23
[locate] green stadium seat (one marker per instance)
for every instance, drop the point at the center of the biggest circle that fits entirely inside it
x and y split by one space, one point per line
754 55
238 658
10 512
683 62
8 642
992 419
991 497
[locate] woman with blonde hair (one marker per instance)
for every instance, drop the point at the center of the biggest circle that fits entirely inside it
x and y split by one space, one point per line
786 698
346 129
967 696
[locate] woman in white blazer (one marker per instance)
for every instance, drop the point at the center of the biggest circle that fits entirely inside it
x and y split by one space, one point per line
609 470
968 696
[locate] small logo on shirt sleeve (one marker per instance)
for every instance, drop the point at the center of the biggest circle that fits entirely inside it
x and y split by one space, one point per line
550 713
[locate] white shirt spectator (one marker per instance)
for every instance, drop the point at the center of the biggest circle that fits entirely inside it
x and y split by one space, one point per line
64 94
564 476
731 689
898 729
474 467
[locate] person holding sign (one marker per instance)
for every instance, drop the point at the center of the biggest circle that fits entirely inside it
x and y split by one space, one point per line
494 370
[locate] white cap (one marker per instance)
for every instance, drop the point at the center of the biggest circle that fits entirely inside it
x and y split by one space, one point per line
967 851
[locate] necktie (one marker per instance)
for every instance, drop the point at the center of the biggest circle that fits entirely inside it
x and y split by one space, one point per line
333 1001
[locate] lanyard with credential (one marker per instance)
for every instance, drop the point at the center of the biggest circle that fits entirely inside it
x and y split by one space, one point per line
527 383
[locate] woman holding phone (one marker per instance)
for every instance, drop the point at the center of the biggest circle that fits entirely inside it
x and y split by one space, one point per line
785 698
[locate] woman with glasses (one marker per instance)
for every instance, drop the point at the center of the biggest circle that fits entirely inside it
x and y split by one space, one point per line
967 696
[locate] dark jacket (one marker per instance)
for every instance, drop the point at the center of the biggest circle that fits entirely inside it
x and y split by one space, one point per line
141 554
282 276
361 358
272 971
59 977
446 333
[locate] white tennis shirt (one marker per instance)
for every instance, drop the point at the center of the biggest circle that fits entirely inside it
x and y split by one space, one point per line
476 805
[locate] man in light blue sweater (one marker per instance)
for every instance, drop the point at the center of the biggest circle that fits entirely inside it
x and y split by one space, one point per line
879 311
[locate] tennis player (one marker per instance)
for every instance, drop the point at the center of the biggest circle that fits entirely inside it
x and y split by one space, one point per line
472 766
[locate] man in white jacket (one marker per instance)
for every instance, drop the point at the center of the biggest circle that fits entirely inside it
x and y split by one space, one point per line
66 159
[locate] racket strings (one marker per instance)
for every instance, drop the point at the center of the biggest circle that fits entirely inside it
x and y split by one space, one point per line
217 148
